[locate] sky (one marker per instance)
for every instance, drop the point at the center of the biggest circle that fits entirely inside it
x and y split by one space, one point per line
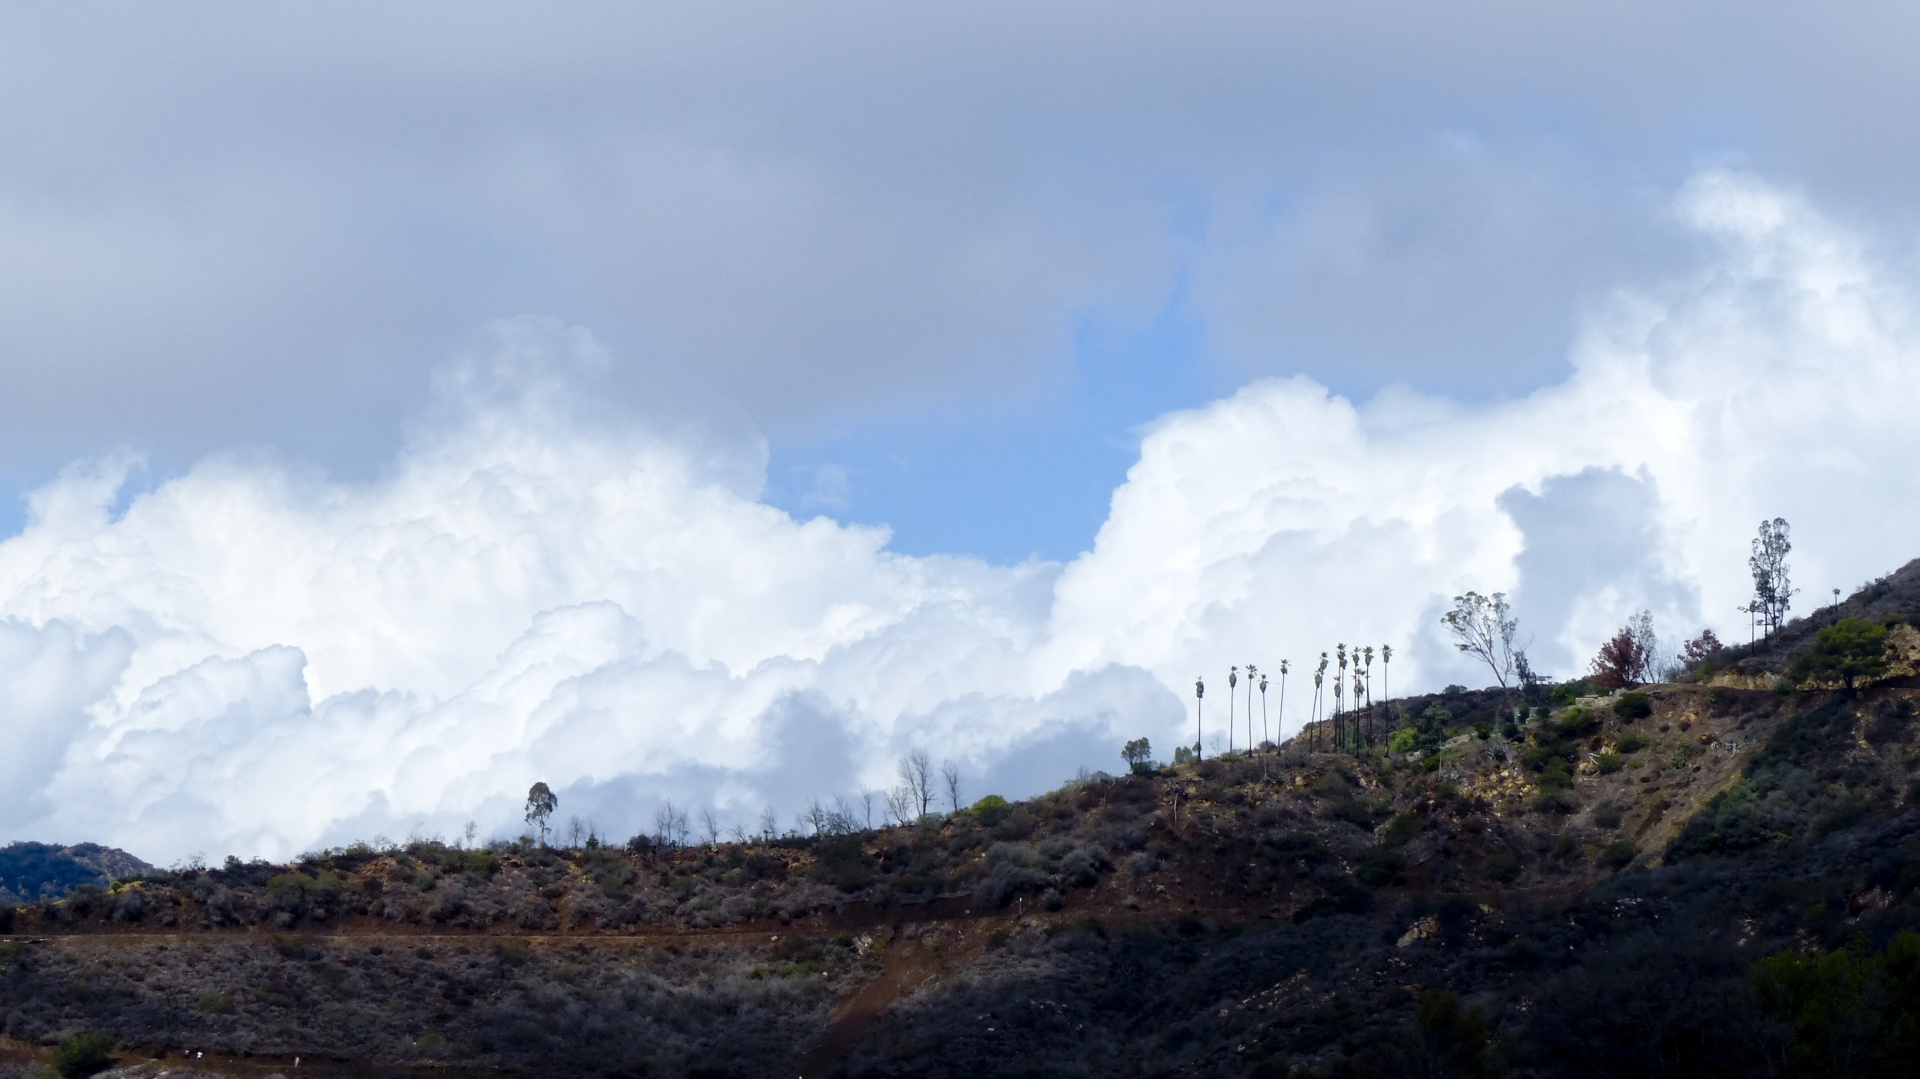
399 406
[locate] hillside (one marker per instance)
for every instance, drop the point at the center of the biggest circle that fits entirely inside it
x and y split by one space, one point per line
1594 892
29 871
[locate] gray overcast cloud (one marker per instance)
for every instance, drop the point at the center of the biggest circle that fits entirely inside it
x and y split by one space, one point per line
265 224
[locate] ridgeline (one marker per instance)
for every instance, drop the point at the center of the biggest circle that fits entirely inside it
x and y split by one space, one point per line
1712 877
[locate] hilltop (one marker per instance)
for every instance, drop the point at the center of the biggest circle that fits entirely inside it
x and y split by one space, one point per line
1625 884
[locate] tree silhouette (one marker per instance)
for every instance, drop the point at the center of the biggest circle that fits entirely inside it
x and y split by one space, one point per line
1265 737
1280 721
1319 698
1251 671
1340 694
541 803
1386 685
1483 627
1233 678
1368 652
1199 695
1772 591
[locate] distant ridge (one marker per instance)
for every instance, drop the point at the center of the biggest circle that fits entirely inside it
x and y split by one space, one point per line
29 870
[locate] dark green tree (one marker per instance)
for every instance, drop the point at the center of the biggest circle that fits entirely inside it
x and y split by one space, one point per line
541 803
1138 754
1847 651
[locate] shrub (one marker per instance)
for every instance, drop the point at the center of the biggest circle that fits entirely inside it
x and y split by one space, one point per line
1618 853
1847 651
1631 742
990 810
1082 866
1401 741
1378 866
1609 763
1633 705
83 1054
1609 815
1502 866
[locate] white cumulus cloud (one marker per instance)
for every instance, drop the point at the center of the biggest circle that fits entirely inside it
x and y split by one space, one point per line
255 658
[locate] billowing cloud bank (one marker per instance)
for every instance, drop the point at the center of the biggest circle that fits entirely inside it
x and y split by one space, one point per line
252 659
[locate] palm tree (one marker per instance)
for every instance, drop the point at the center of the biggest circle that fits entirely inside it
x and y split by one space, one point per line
1319 674
1251 672
1264 736
1199 692
1340 691
1386 687
1358 684
1368 652
1233 679
1280 721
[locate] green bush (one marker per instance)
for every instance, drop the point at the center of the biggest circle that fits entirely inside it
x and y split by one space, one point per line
1609 763
990 810
1618 853
1631 742
1402 740
83 1054
1632 706
1502 866
1401 829
1848 651
1378 866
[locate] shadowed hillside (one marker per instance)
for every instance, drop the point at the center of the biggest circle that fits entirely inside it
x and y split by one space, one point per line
1689 879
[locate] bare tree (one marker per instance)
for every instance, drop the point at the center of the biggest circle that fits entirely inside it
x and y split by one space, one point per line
738 831
950 777
845 819
816 816
467 833
866 806
1772 591
900 806
1483 627
916 775
541 802
669 825
709 826
769 823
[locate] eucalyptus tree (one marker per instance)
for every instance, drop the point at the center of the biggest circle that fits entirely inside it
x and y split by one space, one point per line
541 802
1483 627
1772 591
